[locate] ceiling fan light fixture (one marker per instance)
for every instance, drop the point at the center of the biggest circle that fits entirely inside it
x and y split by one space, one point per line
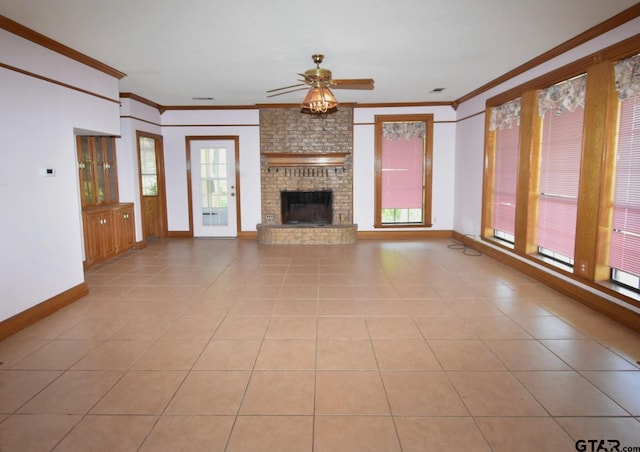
319 100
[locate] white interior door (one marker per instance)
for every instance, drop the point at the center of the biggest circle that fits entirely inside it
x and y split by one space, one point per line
213 188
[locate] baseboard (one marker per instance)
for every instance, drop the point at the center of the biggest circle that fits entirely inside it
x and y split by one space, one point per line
30 316
588 297
403 235
180 234
362 235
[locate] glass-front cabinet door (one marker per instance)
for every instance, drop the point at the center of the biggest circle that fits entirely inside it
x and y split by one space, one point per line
100 170
86 168
97 169
110 170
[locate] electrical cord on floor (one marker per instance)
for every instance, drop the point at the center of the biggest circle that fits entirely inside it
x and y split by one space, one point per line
466 249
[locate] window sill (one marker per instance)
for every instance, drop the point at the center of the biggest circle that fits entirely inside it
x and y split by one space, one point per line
619 290
553 263
500 242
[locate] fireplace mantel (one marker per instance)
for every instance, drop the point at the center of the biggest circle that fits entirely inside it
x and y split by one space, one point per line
298 159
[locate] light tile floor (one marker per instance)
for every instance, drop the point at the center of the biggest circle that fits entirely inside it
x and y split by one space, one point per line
207 345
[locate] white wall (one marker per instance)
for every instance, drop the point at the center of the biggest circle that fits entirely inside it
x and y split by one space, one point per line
470 129
444 143
41 251
178 124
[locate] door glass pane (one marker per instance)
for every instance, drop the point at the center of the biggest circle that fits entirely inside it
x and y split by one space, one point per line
148 167
213 187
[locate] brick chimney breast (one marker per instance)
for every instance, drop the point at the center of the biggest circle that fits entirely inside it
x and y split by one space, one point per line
286 130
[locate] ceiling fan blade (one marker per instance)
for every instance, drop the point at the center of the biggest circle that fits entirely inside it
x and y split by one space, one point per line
286 92
309 79
352 83
285 87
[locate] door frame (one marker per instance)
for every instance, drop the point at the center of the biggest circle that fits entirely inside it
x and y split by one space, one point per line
236 152
162 186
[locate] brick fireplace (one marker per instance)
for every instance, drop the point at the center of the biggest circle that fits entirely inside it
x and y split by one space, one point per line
310 154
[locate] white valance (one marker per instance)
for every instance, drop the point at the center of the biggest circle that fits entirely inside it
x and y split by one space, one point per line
505 116
406 130
564 96
628 77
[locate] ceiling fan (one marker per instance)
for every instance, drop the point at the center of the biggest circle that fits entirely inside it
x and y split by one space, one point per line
318 80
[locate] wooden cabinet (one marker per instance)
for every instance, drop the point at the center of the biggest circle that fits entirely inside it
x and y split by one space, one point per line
123 228
97 169
108 232
98 235
109 227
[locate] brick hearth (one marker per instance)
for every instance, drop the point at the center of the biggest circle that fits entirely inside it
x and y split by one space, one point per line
307 235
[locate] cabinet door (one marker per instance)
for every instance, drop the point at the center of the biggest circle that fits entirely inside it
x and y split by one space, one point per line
110 170
123 226
93 227
107 232
130 229
98 170
98 145
98 236
86 168
91 224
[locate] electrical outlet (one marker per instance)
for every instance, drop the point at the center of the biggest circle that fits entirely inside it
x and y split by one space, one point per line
269 218
583 266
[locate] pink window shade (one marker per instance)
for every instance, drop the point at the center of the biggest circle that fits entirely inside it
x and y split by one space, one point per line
505 179
559 180
625 236
402 173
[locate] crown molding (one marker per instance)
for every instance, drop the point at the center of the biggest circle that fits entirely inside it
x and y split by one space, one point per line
603 27
48 43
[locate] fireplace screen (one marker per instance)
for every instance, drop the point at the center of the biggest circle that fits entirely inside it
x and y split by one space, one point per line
307 207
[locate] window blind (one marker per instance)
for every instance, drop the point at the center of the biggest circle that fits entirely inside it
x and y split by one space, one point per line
402 173
505 179
625 235
561 150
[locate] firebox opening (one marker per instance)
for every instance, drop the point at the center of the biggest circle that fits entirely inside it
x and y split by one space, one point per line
307 207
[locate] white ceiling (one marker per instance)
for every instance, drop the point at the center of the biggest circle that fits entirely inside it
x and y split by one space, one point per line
235 50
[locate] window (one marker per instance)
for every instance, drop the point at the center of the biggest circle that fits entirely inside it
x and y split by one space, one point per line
577 176
505 124
213 184
561 108
403 170
148 167
624 256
